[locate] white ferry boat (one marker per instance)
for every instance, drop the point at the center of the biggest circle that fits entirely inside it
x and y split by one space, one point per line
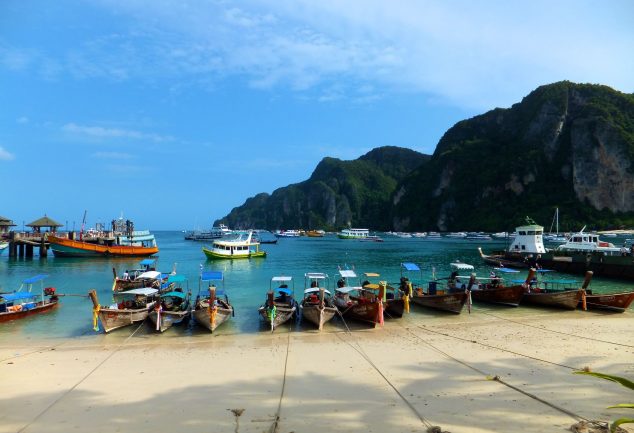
353 234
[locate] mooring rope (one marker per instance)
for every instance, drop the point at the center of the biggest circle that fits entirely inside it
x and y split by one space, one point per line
365 356
58 399
557 332
276 418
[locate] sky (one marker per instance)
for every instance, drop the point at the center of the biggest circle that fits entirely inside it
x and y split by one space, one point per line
172 113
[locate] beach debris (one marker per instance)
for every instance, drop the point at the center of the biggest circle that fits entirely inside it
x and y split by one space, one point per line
436 429
237 413
593 426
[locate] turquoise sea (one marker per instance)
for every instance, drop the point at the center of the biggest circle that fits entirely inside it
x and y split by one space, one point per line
246 281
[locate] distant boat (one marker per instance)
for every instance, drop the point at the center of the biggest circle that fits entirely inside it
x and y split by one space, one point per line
433 235
315 233
121 241
288 233
353 234
458 235
239 248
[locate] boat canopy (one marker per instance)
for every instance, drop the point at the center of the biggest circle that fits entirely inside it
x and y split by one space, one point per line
150 275
347 273
462 266
372 274
16 296
507 270
145 291
147 262
347 289
316 275
35 279
410 266
282 278
314 290
211 275
176 279
174 295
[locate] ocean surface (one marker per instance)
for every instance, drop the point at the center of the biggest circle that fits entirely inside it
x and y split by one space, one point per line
246 281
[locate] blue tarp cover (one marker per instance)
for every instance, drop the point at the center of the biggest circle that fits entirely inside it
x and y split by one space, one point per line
211 275
507 270
16 296
287 291
35 279
147 262
410 266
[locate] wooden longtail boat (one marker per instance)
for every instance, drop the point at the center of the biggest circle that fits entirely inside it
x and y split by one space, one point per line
211 311
317 306
618 302
278 310
126 311
444 300
496 293
19 304
553 293
173 307
354 302
393 297
130 279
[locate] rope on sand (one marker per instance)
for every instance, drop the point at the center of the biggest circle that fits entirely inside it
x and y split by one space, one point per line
557 332
58 399
360 351
276 418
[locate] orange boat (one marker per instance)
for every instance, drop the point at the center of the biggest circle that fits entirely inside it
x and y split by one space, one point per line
64 247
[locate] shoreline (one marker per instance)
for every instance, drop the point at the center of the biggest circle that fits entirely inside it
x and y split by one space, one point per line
414 372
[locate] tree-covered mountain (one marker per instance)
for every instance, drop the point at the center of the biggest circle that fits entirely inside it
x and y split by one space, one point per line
337 194
565 145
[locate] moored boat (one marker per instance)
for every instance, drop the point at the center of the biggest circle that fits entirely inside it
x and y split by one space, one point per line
555 293
21 304
173 307
353 234
451 300
241 247
145 276
210 310
317 305
356 303
492 290
279 309
393 297
618 302
130 306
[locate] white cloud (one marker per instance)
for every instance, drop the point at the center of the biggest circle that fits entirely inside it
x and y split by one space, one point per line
5 155
102 132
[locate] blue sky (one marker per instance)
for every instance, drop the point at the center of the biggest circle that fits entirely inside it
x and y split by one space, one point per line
175 112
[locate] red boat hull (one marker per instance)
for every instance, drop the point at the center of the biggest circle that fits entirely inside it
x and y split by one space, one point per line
40 308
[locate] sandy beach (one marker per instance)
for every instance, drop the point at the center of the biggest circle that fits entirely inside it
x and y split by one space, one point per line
424 370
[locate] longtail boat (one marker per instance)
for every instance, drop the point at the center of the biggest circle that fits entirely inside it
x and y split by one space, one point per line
393 297
494 291
279 309
131 306
173 307
555 293
211 311
451 300
618 302
21 304
354 302
135 278
317 305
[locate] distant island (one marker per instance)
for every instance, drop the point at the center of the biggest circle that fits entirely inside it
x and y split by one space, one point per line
565 145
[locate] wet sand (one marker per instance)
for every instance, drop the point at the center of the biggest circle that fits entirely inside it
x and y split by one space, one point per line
423 370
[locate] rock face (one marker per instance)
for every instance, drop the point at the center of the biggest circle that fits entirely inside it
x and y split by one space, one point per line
337 194
565 145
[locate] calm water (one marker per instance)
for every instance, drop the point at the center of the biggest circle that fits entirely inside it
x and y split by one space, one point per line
246 281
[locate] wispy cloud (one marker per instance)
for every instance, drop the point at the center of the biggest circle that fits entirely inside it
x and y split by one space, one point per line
23 120
5 155
103 132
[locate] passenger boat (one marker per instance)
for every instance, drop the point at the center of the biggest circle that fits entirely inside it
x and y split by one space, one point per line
451 299
354 302
317 305
555 293
21 304
207 235
288 233
130 306
279 309
173 307
393 297
121 241
353 234
241 247
210 310
315 233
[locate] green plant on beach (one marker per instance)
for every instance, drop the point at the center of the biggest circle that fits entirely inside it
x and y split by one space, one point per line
626 383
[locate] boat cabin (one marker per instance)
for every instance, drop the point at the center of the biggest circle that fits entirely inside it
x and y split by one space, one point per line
528 239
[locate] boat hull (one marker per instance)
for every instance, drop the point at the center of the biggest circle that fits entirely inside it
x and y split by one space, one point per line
318 316
283 315
618 302
511 295
212 255
600 264
167 319
39 308
366 312
63 247
394 308
112 319
566 299
451 302
202 316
